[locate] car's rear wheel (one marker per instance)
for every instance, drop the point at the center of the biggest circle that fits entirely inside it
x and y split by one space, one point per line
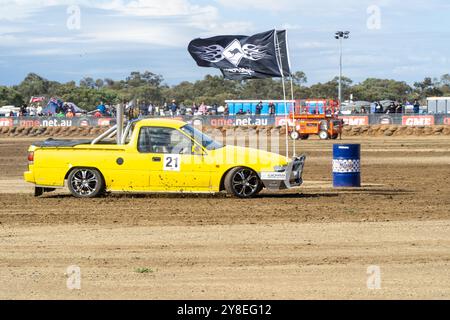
85 183
295 135
38 191
334 136
243 182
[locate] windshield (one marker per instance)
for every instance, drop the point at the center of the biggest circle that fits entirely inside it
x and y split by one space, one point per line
207 142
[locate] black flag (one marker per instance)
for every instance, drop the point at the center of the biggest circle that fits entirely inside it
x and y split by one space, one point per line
239 57
283 53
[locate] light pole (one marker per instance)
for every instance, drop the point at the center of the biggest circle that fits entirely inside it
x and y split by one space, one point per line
339 35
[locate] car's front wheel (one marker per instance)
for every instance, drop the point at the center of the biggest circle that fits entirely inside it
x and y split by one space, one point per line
243 182
85 183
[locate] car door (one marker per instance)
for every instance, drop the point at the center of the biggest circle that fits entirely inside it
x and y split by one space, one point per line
175 161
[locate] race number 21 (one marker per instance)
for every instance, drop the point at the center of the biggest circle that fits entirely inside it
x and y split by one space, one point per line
172 162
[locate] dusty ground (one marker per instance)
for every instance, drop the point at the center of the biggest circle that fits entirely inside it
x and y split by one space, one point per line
312 242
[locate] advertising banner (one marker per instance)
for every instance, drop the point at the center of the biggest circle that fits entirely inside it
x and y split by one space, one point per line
238 121
55 122
418 120
281 121
226 121
355 120
6 122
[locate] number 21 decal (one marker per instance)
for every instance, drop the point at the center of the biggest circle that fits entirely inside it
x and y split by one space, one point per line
172 162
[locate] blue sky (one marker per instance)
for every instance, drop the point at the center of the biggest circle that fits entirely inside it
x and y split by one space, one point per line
403 40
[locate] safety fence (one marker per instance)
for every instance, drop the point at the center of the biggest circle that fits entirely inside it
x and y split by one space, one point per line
227 121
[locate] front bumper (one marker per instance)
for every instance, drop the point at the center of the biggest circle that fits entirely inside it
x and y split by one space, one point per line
291 177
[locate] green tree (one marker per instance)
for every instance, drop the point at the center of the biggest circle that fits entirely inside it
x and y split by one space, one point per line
382 89
10 96
99 83
261 89
33 85
427 88
136 79
299 78
87 82
445 84
329 90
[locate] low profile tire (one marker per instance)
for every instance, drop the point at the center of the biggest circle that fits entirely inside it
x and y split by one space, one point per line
243 182
294 135
85 183
304 137
323 135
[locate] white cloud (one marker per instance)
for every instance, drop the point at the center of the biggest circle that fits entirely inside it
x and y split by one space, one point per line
13 10
173 21
8 40
406 70
50 40
152 8
155 35
324 6
290 26
313 45
47 52
20 9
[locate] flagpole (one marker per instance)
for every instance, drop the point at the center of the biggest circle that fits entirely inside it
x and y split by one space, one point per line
286 117
293 116
292 92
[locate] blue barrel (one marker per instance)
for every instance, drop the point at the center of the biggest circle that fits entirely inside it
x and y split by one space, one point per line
346 165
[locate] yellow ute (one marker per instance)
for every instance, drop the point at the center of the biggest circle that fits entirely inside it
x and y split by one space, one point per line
157 155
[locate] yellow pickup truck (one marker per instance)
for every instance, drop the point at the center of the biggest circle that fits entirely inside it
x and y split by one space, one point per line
157 155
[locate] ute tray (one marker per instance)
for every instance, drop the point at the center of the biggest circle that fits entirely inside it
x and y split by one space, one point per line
54 143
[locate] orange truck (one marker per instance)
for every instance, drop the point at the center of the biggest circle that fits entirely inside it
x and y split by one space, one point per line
315 117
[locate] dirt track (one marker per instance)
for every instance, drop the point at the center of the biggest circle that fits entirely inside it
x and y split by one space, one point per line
312 242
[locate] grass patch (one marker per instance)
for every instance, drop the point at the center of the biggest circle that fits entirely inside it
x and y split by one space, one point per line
143 270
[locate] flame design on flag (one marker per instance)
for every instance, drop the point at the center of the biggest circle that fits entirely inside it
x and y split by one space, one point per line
211 53
253 52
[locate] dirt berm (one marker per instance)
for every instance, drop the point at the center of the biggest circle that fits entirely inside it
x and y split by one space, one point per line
374 130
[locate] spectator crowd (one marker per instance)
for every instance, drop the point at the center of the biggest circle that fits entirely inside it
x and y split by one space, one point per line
143 109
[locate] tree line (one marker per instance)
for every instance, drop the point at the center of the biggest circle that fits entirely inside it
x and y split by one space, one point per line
150 87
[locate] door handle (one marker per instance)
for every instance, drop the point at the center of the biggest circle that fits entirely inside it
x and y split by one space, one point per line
156 159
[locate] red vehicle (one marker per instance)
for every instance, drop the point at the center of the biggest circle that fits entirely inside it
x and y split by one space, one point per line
315 116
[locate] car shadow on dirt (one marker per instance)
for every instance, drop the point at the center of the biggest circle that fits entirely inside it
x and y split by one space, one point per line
296 195
197 196
264 195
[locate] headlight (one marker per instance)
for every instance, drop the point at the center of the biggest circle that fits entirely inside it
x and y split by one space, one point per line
279 168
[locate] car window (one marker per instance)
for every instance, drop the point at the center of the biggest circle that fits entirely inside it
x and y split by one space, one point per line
207 142
163 140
